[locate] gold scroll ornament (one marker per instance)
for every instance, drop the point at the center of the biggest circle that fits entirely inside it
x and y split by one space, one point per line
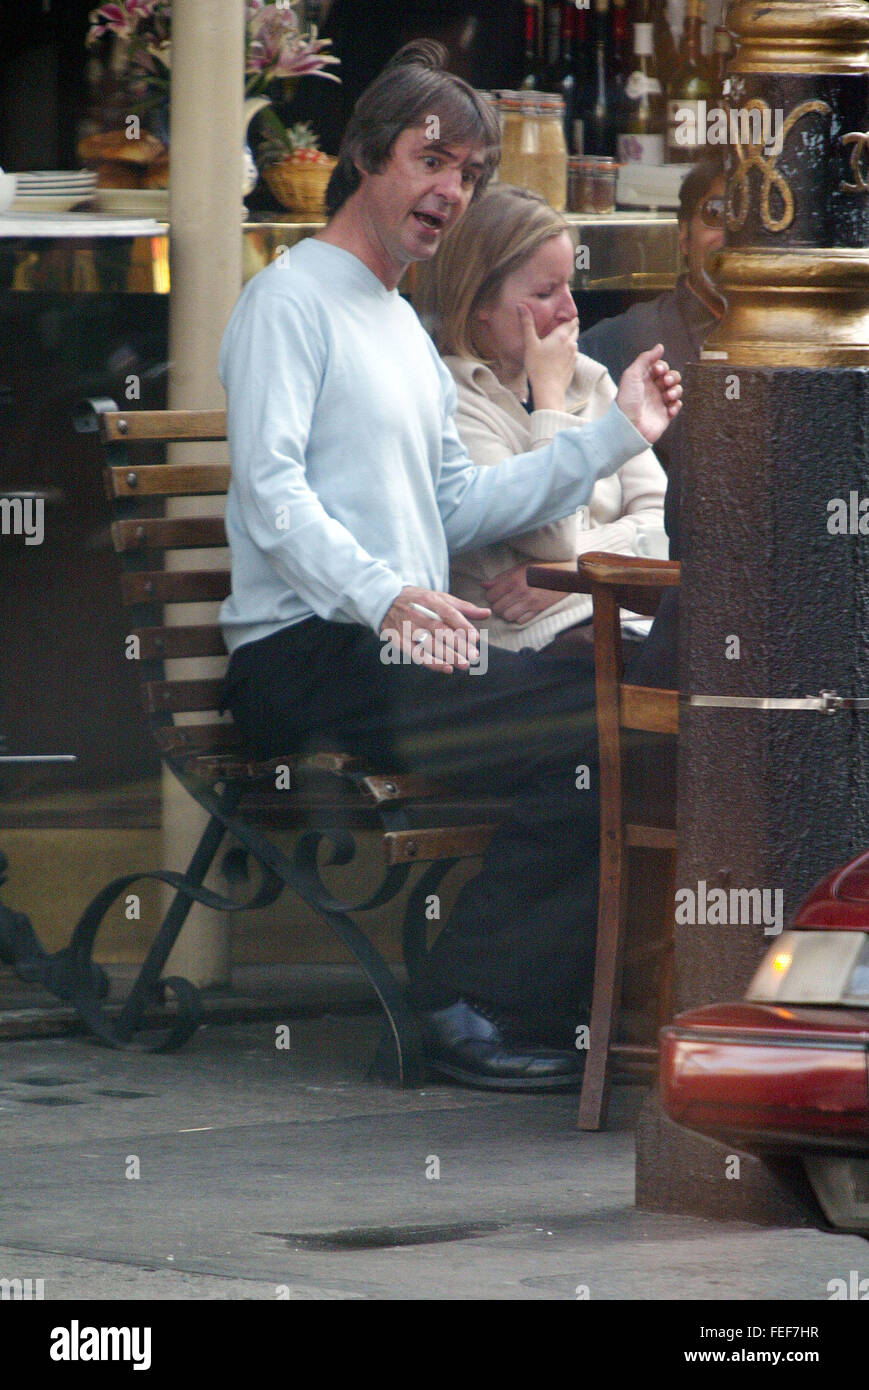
860 141
772 178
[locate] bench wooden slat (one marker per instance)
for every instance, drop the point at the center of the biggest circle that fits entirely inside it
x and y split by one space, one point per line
179 697
447 842
406 787
159 533
197 738
643 707
181 425
175 586
159 643
220 768
168 480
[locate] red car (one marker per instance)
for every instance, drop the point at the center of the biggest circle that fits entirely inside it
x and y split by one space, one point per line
787 1070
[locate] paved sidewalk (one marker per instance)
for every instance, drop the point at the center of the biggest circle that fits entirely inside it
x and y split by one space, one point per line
239 1170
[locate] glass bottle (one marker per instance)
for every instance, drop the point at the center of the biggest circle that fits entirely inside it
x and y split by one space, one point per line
583 79
642 138
654 12
552 27
621 52
690 93
533 62
599 130
567 70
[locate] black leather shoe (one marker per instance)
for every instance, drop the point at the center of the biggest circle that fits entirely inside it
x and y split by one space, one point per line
463 1043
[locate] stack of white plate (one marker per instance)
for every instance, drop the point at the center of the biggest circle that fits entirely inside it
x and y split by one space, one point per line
53 190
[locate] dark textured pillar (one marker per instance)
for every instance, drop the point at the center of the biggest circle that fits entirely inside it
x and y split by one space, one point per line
774 602
774 605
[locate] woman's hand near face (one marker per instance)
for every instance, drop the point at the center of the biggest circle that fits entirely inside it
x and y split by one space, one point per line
549 362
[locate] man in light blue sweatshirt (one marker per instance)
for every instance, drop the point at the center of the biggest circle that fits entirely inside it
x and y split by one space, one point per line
350 488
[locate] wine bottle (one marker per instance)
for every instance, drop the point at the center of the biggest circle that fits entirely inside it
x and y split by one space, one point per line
599 132
654 12
621 48
566 87
642 136
552 28
533 60
690 93
583 79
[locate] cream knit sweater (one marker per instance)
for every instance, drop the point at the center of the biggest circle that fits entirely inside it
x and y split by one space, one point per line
494 426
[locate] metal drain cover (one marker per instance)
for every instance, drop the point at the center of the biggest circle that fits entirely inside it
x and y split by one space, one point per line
385 1237
49 1100
123 1095
42 1080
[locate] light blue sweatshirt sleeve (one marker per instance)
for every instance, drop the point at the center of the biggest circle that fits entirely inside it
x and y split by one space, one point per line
480 505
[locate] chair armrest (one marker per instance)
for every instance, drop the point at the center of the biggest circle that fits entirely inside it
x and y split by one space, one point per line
631 582
551 577
600 567
636 583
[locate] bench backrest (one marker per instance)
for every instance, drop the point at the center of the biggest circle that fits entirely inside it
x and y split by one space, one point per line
169 559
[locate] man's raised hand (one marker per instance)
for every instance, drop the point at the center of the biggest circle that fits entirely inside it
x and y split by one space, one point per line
649 394
433 630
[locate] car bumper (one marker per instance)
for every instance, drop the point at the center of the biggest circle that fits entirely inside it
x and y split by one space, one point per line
783 1078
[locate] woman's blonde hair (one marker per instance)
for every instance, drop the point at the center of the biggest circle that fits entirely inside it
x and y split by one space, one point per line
496 235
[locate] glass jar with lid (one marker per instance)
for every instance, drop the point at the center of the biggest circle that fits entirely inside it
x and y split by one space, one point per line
533 151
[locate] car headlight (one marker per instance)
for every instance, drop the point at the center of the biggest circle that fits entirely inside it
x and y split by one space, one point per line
814 967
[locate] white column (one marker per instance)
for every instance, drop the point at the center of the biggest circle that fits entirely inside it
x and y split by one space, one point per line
206 258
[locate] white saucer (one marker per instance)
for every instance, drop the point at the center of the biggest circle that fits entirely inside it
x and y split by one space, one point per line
60 202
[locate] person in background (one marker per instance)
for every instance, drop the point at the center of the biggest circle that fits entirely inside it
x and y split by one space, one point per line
503 318
681 319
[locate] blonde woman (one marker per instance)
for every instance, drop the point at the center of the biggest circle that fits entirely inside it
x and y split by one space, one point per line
497 300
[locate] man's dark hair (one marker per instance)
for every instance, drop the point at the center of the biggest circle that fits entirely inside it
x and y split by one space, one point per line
697 184
412 88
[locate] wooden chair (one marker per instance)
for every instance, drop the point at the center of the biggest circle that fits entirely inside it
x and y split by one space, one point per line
628 820
327 797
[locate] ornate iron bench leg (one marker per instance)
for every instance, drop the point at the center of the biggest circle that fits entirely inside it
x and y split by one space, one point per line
399 1059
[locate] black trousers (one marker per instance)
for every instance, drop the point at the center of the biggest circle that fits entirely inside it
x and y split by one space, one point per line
520 938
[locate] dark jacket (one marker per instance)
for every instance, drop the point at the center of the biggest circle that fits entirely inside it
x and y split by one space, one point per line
680 321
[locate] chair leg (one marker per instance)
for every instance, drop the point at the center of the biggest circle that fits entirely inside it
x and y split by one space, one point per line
606 991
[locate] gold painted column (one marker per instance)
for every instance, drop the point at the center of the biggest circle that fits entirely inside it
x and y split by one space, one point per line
795 267
205 206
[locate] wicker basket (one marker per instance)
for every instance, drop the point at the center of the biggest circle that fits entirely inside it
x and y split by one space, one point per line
300 188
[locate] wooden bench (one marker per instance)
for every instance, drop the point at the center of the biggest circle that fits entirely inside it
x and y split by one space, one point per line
330 797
